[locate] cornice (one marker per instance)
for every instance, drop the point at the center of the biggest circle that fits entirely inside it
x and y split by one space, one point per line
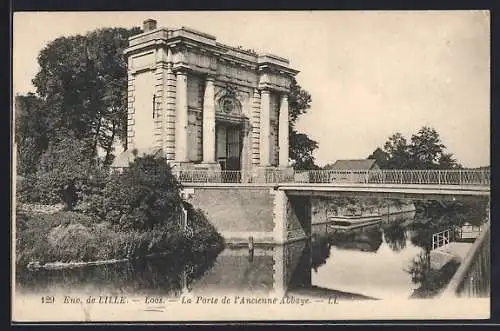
183 39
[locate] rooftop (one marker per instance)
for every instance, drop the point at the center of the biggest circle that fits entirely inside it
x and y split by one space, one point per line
361 164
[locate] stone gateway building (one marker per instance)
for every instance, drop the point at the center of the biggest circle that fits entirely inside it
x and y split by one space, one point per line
205 105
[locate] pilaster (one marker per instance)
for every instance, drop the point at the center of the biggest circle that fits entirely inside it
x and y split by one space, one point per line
181 138
170 112
159 105
130 110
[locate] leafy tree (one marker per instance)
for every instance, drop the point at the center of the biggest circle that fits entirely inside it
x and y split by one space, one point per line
62 168
396 148
301 147
32 129
425 149
83 81
447 161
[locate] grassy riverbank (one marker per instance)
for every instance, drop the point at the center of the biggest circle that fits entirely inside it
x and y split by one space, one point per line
96 214
71 237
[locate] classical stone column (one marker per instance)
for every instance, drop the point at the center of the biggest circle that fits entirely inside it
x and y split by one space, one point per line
255 122
283 132
265 129
209 122
246 152
181 132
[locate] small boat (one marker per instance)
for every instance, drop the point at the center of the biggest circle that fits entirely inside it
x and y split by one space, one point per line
348 222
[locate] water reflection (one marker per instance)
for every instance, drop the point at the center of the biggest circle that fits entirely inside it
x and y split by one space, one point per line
320 251
160 276
387 260
364 239
395 235
370 260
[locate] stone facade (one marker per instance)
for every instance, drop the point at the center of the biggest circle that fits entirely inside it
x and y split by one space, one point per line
206 105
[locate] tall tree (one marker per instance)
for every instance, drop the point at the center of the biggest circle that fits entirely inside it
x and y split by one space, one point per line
301 147
425 149
83 80
396 148
32 131
447 161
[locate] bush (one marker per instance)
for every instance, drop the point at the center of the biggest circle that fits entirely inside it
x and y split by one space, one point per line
72 237
132 214
144 195
38 189
66 237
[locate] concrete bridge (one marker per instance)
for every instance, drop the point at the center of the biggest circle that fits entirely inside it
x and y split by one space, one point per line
410 182
276 209
275 206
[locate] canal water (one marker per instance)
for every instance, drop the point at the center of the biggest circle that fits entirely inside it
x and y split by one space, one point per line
381 261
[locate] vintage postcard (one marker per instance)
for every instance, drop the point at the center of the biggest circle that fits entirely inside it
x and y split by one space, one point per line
243 166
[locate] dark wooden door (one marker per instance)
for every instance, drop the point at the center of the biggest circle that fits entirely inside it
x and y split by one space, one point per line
233 147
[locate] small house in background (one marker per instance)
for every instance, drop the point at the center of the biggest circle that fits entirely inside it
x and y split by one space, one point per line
362 164
352 171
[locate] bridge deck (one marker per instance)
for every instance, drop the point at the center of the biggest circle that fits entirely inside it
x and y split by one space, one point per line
417 191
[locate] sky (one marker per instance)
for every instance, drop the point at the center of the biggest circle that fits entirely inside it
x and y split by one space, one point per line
370 73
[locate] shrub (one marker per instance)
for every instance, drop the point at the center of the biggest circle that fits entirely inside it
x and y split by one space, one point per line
71 242
73 237
144 195
38 189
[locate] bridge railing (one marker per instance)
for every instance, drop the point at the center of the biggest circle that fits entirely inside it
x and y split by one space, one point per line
473 276
208 176
437 177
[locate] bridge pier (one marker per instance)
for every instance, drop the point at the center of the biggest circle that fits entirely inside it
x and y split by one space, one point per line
291 217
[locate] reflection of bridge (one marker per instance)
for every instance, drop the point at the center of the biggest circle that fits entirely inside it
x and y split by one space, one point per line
277 270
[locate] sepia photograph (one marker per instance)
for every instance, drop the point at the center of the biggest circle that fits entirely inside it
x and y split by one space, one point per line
177 166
